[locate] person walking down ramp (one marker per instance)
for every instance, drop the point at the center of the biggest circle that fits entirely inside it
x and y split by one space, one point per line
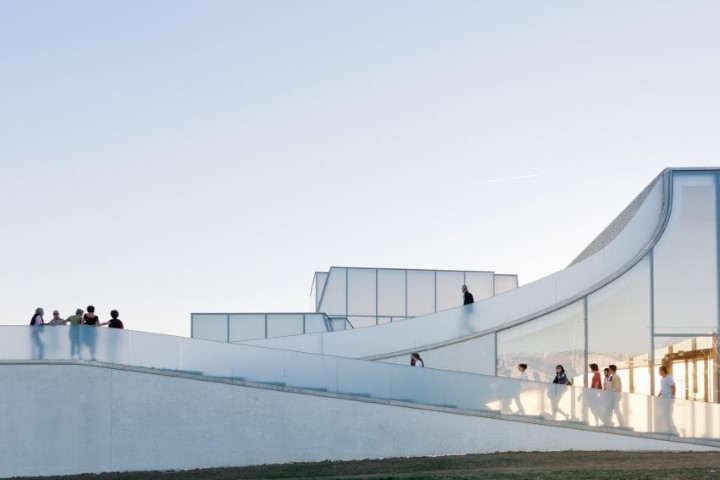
615 385
467 296
664 422
415 360
560 379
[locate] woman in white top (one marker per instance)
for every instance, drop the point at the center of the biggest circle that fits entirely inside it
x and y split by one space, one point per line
415 360
522 367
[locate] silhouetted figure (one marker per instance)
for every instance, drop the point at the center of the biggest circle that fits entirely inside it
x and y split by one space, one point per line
467 296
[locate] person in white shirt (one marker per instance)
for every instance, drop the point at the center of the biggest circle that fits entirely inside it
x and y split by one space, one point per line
667 384
664 422
415 360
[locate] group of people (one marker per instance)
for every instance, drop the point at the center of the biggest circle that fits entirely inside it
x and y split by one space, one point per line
78 337
80 318
611 380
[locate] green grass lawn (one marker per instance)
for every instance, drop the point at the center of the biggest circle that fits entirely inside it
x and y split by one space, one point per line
515 466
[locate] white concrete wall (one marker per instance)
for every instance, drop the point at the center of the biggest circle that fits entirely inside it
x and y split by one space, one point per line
69 419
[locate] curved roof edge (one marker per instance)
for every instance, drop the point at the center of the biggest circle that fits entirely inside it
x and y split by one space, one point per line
618 224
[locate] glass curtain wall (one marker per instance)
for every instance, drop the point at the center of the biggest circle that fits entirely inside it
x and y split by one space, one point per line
619 327
686 290
661 312
543 343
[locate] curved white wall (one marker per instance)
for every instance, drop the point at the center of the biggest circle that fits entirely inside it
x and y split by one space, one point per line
70 419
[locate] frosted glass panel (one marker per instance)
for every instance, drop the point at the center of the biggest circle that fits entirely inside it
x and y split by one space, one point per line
334 297
314 323
391 292
361 291
556 338
449 294
284 324
505 283
361 322
480 284
247 327
685 260
149 350
619 327
421 292
210 327
320 279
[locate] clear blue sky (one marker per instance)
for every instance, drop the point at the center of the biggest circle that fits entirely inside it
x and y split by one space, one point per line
164 157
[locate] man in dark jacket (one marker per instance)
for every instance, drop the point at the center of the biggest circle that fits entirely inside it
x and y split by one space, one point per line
467 296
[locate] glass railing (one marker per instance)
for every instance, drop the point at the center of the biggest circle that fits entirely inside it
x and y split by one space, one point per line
384 381
241 327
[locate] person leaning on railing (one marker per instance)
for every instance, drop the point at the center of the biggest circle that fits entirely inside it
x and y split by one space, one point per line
56 320
90 318
114 321
37 318
76 319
